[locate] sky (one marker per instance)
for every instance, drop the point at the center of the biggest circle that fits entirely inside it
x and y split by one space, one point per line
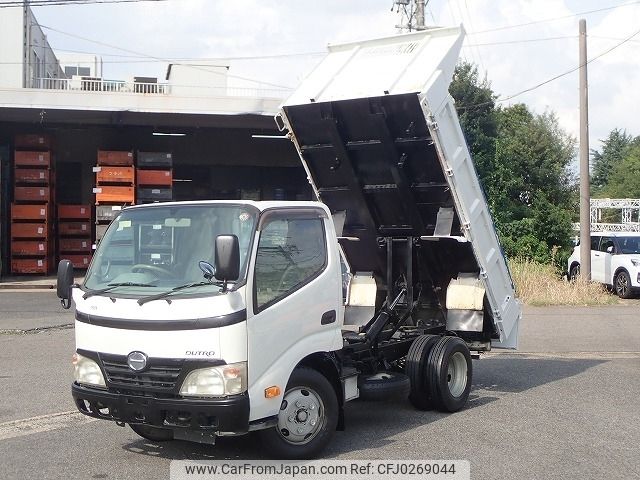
294 33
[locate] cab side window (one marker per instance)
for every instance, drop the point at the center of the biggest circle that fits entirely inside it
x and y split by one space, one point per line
291 252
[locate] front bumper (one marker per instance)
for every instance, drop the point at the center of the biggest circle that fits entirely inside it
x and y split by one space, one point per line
229 415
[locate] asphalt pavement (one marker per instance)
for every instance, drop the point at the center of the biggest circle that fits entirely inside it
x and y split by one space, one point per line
565 406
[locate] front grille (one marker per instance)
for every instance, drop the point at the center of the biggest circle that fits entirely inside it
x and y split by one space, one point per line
160 375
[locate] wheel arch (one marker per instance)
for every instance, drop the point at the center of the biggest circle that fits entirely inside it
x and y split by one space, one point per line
327 364
618 270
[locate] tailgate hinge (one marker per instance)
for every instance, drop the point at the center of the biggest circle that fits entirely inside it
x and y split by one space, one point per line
431 121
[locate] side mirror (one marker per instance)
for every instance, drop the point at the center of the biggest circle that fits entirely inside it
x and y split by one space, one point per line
64 283
610 250
227 254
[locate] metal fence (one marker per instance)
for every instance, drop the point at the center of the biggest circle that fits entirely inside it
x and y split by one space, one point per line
88 84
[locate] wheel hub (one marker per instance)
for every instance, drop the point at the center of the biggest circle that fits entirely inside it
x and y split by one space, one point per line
622 285
457 374
301 415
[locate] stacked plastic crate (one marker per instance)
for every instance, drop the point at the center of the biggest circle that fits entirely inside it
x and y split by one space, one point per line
31 211
74 234
154 177
115 186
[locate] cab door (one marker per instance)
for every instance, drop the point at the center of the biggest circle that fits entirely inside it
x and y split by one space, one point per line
297 300
601 261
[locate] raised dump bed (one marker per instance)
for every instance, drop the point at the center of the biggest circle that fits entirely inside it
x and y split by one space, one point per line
380 139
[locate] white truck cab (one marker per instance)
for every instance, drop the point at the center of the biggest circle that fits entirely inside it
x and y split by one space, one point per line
212 318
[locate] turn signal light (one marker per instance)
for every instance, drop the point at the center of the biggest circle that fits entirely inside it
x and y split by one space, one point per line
272 392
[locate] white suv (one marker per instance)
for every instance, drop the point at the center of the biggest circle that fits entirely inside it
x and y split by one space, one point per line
615 261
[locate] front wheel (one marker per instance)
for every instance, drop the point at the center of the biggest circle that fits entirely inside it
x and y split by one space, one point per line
307 419
622 284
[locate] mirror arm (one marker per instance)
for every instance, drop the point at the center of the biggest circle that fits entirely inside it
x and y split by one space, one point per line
66 302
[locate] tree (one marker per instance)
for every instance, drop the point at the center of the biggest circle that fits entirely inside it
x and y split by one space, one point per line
624 178
522 160
533 206
603 162
475 104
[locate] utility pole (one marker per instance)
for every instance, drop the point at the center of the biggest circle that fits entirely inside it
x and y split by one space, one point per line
26 40
419 14
585 197
411 14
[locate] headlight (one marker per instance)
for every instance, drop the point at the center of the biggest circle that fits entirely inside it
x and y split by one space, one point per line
216 381
87 372
635 262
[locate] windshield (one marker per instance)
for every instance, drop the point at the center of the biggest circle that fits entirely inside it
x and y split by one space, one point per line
629 245
151 250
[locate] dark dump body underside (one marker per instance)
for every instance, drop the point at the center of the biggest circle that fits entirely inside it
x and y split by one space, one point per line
374 159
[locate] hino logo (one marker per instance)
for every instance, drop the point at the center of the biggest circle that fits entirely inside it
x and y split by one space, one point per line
137 361
200 353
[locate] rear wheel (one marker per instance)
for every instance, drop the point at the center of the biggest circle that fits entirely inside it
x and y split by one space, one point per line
155 434
307 419
449 373
622 284
416 370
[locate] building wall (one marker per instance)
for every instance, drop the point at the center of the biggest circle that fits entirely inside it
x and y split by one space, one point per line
82 60
11 44
200 79
41 61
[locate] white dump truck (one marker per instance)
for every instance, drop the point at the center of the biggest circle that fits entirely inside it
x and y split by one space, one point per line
215 318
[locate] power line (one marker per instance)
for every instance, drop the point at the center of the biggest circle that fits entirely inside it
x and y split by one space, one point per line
47 3
510 97
529 40
587 12
598 37
469 16
186 59
159 59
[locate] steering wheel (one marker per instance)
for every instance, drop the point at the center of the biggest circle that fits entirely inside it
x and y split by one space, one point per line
141 267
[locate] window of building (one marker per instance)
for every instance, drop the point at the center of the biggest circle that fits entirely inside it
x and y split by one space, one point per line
83 71
291 252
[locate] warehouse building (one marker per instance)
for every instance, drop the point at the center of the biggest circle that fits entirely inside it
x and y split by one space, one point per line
222 139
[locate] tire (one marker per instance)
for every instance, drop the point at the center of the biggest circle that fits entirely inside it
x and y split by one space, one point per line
574 273
449 374
384 386
309 398
155 434
416 368
622 284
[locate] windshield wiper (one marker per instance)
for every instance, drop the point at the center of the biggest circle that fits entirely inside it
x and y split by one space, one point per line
158 296
111 286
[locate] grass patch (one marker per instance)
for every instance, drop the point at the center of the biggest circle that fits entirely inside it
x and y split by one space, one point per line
539 285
